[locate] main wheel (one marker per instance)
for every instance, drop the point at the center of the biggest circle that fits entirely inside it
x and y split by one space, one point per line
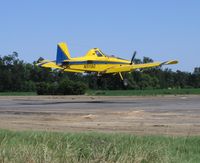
125 81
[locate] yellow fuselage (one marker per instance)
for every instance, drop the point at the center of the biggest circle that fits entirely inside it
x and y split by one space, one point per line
93 61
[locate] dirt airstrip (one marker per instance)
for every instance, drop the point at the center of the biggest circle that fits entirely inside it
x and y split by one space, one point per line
160 115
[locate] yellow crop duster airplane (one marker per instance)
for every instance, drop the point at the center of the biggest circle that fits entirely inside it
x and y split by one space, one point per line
96 61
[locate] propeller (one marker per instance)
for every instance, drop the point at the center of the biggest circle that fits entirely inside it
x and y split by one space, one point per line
133 57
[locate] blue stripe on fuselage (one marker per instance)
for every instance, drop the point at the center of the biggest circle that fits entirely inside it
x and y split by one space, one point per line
92 62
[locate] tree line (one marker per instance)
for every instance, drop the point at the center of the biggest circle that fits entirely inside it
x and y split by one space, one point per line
17 75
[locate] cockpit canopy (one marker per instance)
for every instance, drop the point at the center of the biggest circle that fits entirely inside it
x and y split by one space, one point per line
99 53
95 52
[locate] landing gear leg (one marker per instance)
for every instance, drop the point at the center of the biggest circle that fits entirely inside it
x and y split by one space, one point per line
120 74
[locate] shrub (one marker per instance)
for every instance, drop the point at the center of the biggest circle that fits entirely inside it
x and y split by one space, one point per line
42 88
79 88
28 86
68 87
64 87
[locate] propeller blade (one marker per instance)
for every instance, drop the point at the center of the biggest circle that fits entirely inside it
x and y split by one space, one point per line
132 59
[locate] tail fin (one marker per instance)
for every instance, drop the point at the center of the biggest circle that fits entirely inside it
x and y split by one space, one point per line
62 53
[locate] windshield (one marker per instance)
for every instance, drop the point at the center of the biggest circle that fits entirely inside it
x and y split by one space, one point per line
102 53
98 53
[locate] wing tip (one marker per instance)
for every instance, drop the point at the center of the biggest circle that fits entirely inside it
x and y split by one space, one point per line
172 62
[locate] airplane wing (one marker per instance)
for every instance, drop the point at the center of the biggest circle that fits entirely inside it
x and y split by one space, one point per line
132 67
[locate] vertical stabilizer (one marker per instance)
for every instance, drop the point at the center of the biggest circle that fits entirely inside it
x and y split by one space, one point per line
62 53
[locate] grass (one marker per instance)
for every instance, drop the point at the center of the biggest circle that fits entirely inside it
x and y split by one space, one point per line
33 147
18 93
143 92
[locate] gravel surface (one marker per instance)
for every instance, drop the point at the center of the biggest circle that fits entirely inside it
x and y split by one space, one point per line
157 115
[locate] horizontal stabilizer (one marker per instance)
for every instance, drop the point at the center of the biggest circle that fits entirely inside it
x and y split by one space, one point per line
48 64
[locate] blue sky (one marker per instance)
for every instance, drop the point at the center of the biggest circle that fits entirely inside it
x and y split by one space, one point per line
157 29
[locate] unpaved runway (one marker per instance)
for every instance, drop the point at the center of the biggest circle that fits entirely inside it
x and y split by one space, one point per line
165 115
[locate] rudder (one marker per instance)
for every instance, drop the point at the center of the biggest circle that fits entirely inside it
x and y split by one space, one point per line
62 53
